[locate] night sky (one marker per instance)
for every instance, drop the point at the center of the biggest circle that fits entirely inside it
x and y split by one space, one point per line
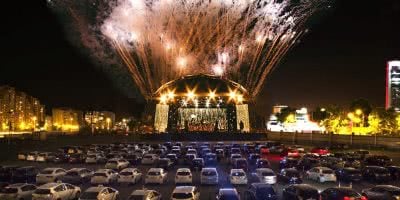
342 58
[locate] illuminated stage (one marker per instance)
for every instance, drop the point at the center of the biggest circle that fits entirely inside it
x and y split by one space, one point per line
201 103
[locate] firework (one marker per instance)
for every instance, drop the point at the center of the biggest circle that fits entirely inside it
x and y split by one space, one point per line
161 40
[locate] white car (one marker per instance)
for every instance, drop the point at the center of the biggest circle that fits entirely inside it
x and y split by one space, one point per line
238 177
266 175
100 193
234 157
183 176
104 176
129 175
185 193
59 191
321 174
93 158
156 175
209 176
149 159
50 175
117 164
18 191
43 157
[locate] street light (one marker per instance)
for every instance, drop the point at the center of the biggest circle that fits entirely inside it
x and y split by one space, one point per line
108 120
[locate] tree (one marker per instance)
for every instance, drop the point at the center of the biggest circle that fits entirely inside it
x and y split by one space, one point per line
363 106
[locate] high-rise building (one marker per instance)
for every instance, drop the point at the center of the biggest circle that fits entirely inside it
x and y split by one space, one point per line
393 85
103 120
67 119
19 111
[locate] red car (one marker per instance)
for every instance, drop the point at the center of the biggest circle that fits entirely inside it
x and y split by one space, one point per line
320 151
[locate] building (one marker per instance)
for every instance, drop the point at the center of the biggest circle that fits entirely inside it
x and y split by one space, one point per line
67 119
100 120
201 103
393 85
19 111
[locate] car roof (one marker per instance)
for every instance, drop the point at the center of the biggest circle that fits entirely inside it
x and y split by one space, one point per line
141 192
236 170
264 170
49 185
17 185
304 187
209 169
183 170
389 187
129 169
95 189
261 185
184 189
76 169
155 169
51 168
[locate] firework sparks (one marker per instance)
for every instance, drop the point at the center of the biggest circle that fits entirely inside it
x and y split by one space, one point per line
160 40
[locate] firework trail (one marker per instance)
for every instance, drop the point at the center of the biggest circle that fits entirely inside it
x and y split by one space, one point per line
161 40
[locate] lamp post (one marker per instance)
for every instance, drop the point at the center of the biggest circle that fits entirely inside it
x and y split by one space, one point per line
108 120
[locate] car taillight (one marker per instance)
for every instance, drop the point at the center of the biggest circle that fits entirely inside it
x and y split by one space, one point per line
346 198
364 198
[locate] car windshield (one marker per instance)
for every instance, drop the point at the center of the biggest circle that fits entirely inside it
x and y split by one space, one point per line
72 174
238 174
42 191
229 197
148 157
182 195
209 173
267 174
112 162
126 173
8 190
89 195
327 171
100 174
153 173
47 172
183 173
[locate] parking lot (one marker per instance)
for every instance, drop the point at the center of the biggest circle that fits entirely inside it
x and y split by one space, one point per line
206 192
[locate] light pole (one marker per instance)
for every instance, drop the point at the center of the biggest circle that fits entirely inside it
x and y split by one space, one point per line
108 120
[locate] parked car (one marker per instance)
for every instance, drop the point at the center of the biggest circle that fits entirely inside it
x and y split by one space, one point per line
117 164
394 172
149 159
77 158
100 193
32 156
266 175
307 163
49 175
288 162
183 176
104 177
25 174
18 191
211 159
188 159
290 176
376 174
322 151
260 191
263 163
130 175
197 164
6 173
185 192
321 174
253 157
227 193
174 159
45 157
299 192
61 158
22 155
233 157
341 193
77 176
59 191
133 159
240 163
380 192
145 194
238 177
378 160
209 176
95 159
156 175
349 174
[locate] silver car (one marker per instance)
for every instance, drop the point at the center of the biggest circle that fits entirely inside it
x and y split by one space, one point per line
49 175
18 191
266 175
59 191
100 193
209 176
156 175
77 176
